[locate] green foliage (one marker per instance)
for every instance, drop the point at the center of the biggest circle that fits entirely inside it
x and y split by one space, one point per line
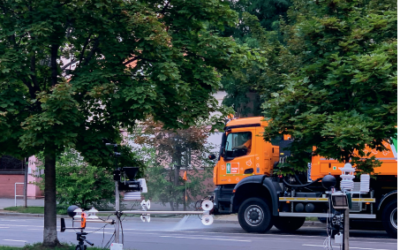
366 166
258 27
74 72
167 153
161 183
82 184
267 12
343 97
174 61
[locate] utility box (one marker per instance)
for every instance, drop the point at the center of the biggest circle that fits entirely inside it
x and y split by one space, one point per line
116 246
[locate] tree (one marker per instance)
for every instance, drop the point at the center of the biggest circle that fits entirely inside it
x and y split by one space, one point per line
259 28
73 72
167 152
343 98
80 183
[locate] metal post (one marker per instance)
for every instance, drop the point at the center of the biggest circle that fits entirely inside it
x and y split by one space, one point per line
15 194
117 212
184 197
346 235
25 183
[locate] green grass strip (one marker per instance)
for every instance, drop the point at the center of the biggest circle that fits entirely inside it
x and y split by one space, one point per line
33 210
39 246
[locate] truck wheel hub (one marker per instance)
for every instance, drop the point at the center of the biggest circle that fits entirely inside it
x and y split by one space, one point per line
254 215
393 218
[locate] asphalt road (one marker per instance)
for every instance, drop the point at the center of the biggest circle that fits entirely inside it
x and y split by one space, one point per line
189 233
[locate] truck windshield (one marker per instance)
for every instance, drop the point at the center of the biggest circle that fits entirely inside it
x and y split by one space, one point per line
238 144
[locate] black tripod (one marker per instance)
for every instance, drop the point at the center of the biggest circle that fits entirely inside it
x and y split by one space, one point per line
81 238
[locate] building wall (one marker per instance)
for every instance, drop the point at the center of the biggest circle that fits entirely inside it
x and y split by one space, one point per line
7 185
9 178
33 171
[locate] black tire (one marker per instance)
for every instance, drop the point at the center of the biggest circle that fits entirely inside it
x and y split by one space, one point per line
389 218
289 224
255 216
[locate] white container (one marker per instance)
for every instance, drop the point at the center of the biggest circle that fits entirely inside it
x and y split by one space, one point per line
347 177
364 183
132 196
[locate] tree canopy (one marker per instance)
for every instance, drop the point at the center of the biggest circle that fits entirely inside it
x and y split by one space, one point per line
259 28
74 72
344 96
166 153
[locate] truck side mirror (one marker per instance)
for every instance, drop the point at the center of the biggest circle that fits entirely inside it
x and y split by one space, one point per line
211 157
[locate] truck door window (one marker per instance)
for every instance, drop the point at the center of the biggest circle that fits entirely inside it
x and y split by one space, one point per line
237 144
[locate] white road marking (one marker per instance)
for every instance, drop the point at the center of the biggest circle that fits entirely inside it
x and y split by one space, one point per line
271 234
107 228
102 233
4 227
198 238
363 248
14 225
15 240
377 242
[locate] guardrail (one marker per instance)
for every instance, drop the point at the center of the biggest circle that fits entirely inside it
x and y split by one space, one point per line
15 191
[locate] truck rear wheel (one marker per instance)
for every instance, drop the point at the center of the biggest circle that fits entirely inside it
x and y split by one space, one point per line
289 224
255 216
389 218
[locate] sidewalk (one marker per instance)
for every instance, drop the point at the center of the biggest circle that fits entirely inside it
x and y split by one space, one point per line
6 202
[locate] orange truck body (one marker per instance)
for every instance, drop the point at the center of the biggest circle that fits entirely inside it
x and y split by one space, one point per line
263 155
321 166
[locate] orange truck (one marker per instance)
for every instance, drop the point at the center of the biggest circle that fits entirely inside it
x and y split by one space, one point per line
246 185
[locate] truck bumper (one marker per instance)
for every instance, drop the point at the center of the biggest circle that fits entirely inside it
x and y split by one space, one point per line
223 196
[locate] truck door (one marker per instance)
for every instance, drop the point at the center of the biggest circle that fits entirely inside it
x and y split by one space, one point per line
237 160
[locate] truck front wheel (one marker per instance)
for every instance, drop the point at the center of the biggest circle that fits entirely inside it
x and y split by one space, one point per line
389 218
255 216
289 224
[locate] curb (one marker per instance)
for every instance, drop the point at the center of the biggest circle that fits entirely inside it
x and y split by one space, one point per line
222 221
306 223
28 215
314 224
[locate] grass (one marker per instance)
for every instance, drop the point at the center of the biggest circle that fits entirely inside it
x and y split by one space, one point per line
312 219
9 248
33 210
38 246
63 211
30 210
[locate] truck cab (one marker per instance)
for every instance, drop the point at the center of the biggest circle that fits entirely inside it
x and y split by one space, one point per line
246 185
243 152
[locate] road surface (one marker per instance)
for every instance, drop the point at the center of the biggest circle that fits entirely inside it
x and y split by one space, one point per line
189 233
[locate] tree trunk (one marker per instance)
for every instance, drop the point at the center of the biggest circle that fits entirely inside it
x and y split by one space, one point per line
50 213
176 177
347 159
